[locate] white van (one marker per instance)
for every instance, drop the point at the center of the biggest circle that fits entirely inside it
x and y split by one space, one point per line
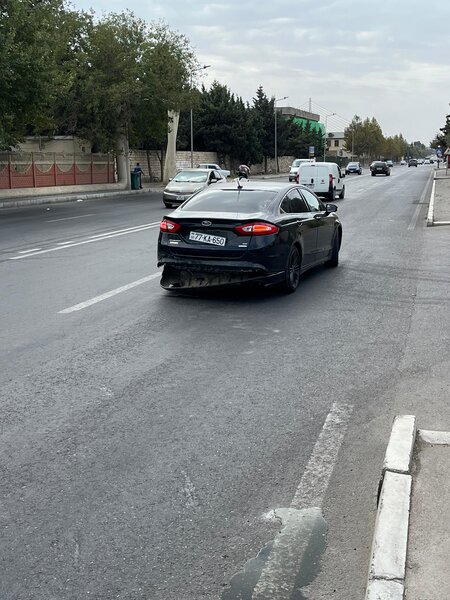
323 178
296 165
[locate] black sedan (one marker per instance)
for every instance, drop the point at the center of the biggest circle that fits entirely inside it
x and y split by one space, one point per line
379 167
247 231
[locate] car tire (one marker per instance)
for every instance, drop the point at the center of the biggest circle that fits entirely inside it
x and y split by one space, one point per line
342 194
292 271
168 205
387 174
333 261
373 174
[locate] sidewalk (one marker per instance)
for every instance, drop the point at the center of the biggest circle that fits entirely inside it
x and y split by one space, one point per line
70 196
411 544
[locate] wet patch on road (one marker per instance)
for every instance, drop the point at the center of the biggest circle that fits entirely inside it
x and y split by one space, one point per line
284 567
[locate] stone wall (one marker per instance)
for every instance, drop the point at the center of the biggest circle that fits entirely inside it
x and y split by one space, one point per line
183 160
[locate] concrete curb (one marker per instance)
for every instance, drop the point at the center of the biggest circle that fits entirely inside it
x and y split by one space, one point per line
430 216
387 566
31 201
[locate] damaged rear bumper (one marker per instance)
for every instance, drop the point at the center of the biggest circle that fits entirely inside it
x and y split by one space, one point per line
176 277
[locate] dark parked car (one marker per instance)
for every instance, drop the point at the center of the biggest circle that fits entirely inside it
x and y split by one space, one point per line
266 232
412 162
379 167
353 167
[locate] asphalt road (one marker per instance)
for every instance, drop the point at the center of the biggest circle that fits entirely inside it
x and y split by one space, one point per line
149 441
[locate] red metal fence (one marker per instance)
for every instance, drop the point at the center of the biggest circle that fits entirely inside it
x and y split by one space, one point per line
45 169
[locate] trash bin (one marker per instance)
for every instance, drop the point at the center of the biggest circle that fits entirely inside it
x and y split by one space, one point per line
135 180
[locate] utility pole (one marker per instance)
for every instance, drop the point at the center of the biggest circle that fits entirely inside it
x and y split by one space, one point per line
275 115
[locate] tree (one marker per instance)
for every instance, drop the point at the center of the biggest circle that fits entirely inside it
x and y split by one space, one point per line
364 138
265 123
106 86
34 38
167 64
442 139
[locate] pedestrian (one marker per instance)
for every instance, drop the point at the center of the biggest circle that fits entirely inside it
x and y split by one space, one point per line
137 169
243 171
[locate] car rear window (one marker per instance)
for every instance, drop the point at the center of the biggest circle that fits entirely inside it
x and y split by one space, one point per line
191 176
244 201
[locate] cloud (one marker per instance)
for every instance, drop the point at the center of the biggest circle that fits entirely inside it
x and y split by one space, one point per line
387 60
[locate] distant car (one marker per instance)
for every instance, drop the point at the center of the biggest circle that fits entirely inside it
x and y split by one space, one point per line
188 181
379 167
353 167
403 162
412 162
389 163
243 232
427 161
296 165
224 172
420 161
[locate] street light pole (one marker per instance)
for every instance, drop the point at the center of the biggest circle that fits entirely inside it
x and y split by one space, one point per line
275 115
325 134
192 115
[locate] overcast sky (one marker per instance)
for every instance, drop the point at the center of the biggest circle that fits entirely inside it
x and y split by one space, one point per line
388 60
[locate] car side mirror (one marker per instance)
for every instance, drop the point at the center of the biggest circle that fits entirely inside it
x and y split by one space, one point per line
342 174
170 178
330 208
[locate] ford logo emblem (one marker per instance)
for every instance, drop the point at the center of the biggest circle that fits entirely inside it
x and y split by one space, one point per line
206 223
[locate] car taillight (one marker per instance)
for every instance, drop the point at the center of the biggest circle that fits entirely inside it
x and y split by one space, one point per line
169 226
256 229
331 178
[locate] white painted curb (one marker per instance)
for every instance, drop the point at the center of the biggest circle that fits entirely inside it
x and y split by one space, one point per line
401 445
384 590
387 566
388 560
430 217
434 438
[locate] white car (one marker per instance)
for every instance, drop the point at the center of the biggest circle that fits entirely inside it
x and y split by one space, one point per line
223 172
403 162
296 165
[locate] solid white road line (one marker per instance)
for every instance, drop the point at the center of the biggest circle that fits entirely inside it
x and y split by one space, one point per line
98 238
314 482
30 250
69 218
304 516
109 294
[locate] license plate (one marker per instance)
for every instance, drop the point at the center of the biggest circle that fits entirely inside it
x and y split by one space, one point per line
182 197
206 238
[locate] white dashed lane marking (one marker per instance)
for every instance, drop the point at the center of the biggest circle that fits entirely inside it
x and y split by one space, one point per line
109 294
95 238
